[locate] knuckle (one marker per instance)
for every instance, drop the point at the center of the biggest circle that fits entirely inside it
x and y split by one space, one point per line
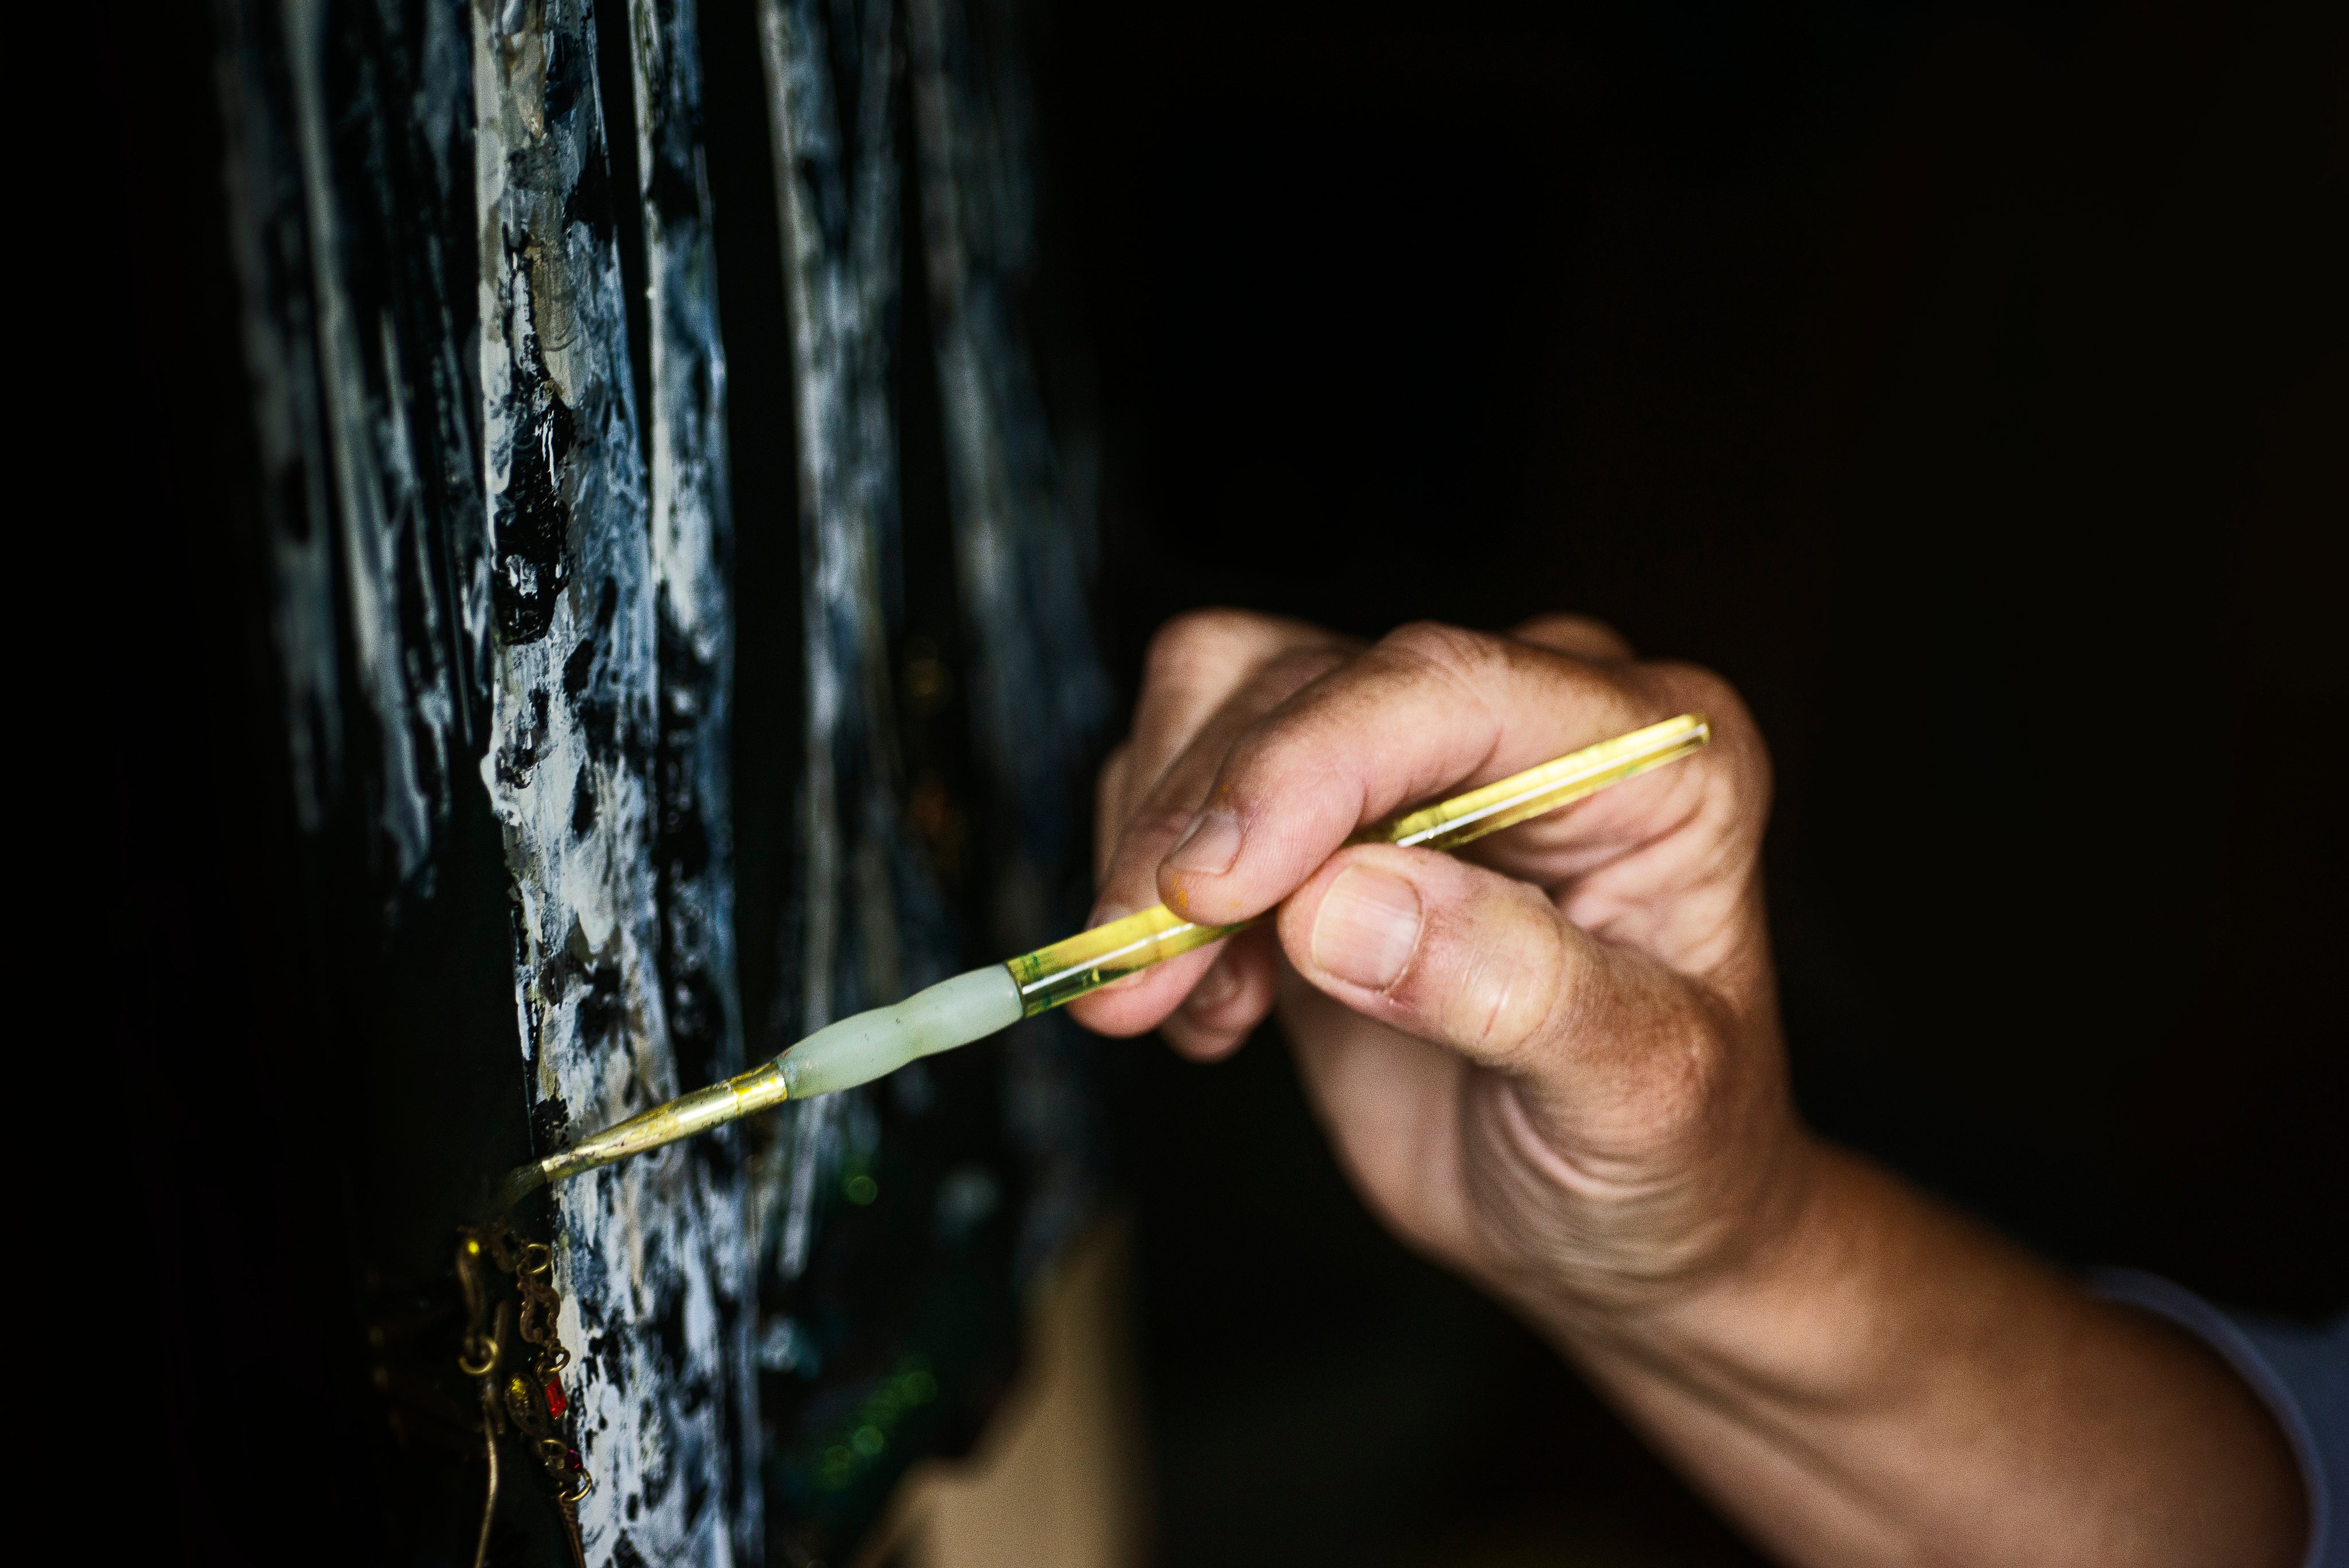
1695 686
1289 742
1450 650
1520 993
1514 1009
1465 662
1738 771
1257 751
1578 636
1293 667
1195 637
1155 827
1281 721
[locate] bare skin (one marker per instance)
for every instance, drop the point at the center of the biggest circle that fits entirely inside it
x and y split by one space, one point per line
1556 1066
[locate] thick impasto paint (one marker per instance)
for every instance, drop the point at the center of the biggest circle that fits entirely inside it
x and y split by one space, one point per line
692 803
501 593
574 733
350 189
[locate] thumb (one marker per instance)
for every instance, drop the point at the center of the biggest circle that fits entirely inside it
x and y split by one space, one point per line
1612 1055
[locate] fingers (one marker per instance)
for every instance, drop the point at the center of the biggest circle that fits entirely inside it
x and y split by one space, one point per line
1610 1053
1109 807
1223 991
1390 1106
1209 676
1427 712
1584 637
1199 698
1157 811
1447 953
1229 1000
1261 746
1196 664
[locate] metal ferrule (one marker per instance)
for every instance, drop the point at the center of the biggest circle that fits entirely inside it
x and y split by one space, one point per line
682 1117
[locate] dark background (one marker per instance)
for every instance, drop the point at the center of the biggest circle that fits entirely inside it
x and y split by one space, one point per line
1965 383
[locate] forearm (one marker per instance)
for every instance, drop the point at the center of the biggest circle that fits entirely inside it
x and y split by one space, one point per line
1887 1382
1559 1068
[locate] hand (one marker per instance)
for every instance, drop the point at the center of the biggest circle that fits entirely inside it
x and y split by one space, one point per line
1553 1063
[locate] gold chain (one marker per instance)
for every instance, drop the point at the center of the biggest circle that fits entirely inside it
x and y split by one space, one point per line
533 1404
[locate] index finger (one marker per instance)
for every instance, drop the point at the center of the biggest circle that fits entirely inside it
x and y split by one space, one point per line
1196 663
1426 712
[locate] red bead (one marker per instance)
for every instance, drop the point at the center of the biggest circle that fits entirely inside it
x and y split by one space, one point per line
556 1403
572 1455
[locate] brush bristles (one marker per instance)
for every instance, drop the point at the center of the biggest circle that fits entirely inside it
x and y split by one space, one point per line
520 1183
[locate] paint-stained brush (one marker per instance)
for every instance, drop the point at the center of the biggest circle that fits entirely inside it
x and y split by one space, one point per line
870 1045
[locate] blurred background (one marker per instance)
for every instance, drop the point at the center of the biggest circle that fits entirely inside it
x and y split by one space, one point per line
1967 383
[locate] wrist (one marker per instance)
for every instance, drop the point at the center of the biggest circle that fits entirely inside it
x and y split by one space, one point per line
1785 1298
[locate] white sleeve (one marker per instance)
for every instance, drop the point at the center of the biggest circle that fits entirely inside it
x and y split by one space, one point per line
2302 1372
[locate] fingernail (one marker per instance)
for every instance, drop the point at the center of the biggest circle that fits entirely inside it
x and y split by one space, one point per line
1211 845
1368 926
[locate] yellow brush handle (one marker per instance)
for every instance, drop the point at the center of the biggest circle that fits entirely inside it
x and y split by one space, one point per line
1091 960
972 1006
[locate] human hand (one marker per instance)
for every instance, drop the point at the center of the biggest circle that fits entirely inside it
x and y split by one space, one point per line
1554 1061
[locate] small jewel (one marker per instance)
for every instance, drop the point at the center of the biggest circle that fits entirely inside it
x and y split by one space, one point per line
556 1404
572 1455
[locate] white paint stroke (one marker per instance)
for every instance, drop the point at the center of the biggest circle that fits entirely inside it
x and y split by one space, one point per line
837 202
692 552
574 730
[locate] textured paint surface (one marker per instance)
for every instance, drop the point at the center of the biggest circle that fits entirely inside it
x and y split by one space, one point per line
503 606
692 797
692 554
1023 536
837 195
1023 532
474 570
358 321
575 732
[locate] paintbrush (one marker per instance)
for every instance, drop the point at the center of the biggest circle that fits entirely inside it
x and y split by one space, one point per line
870 1045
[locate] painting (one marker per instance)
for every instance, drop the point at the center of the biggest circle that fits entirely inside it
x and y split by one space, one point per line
479 250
